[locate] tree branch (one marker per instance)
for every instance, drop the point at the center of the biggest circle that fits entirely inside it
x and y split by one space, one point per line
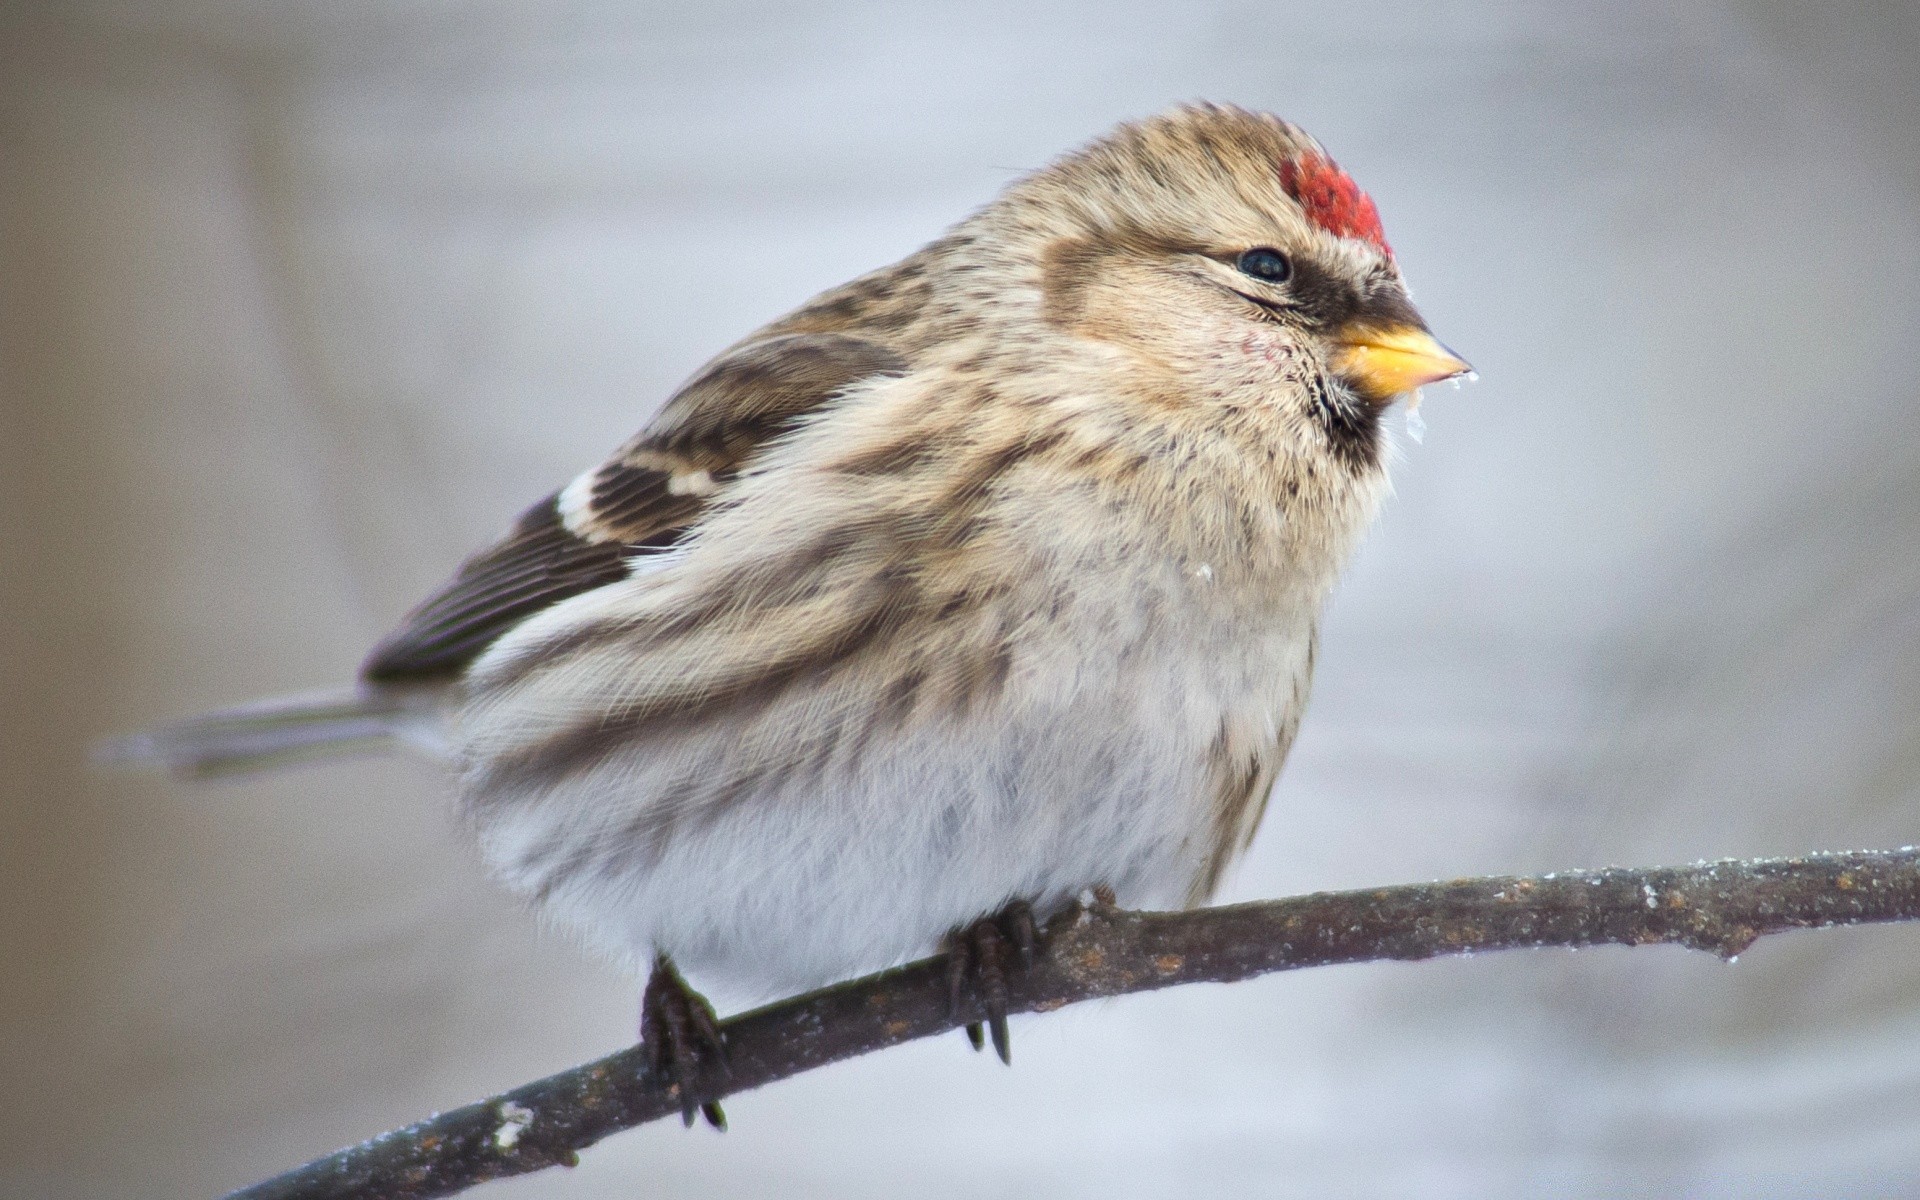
1094 952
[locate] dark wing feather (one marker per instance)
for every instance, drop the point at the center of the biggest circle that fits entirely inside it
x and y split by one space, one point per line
538 563
642 499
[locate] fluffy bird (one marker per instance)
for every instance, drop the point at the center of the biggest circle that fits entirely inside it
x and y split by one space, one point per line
985 579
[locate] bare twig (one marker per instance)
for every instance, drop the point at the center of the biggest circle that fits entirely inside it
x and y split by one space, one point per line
1093 952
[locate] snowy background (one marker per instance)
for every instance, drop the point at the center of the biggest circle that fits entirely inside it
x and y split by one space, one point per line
299 303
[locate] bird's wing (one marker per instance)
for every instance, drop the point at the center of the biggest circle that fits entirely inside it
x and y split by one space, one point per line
640 500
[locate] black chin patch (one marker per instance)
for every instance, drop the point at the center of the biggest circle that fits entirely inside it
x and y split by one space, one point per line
1351 426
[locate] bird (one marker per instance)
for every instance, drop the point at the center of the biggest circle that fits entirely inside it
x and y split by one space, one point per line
983 582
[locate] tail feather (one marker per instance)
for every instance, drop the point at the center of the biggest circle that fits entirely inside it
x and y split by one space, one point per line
287 729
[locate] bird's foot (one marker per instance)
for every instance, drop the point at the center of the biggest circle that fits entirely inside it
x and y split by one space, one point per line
983 952
681 1034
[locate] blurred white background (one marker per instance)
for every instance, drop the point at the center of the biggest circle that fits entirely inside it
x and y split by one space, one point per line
299 303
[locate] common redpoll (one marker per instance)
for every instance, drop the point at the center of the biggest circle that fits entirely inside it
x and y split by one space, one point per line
985 579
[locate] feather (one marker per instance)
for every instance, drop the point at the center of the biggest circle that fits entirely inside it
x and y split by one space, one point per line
286 729
1332 200
641 501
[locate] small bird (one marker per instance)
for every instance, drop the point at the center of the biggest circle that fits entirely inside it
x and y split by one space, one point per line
986 579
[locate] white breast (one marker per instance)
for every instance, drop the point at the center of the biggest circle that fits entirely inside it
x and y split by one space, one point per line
1092 769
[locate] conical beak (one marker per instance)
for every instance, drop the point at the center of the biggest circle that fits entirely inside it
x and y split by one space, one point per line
1383 363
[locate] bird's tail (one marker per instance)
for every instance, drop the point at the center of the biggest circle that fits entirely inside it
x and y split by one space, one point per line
288 729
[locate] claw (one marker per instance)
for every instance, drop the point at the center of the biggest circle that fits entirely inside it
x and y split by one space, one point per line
988 944
678 1029
1002 1040
980 950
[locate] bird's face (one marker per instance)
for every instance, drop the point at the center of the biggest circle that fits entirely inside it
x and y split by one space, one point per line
1229 248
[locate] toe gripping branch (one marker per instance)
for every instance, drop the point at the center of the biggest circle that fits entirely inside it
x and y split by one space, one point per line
681 1035
980 953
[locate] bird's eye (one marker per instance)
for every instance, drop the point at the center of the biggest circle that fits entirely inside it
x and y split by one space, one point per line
1265 264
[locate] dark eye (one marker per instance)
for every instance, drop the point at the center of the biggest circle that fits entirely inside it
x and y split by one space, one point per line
1266 264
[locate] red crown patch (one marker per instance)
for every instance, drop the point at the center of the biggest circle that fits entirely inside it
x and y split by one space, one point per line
1332 200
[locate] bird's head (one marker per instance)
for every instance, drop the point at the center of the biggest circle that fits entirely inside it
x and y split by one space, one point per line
1227 245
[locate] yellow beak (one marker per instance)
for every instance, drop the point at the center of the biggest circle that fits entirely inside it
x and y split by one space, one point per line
1383 363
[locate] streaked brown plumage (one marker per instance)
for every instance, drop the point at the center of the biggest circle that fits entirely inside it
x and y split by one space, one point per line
992 575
